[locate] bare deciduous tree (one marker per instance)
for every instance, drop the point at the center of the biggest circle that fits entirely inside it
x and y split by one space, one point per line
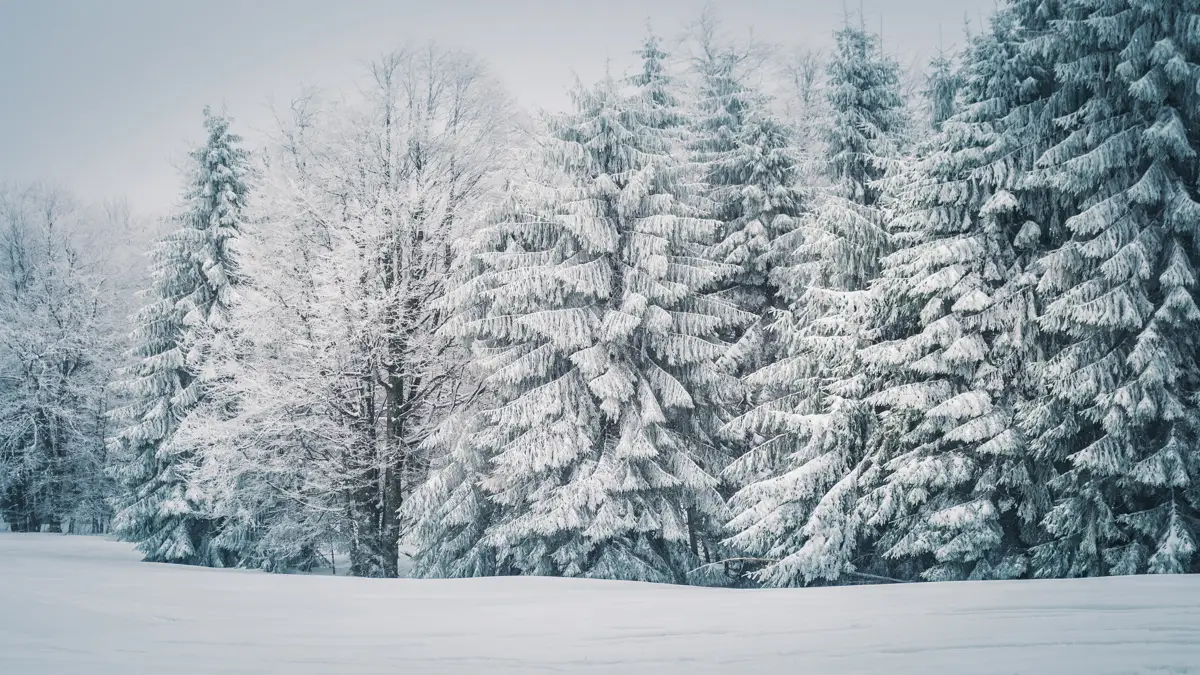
58 344
339 369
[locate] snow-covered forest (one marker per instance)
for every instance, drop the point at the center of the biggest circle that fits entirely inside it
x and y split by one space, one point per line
747 315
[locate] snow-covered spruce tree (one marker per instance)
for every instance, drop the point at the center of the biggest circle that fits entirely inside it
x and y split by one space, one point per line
691 185
195 274
863 88
1121 290
942 84
599 350
268 461
807 430
959 348
447 516
749 170
719 109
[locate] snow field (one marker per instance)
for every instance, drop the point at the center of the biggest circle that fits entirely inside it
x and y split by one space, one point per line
86 606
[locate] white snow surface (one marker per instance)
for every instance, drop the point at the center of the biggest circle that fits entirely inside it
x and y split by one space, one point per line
85 605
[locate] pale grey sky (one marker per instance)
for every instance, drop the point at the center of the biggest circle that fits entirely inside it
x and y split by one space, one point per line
104 96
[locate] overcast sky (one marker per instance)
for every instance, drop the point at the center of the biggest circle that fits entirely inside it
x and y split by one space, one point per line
103 97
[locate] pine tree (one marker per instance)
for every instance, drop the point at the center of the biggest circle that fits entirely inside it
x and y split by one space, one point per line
447 516
795 508
722 106
195 275
725 117
750 173
868 115
764 171
959 347
1121 419
941 87
656 83
598 349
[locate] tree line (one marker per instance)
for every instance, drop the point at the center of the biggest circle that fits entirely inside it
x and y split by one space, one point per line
707 327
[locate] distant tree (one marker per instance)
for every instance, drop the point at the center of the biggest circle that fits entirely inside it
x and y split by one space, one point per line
942 84
57 346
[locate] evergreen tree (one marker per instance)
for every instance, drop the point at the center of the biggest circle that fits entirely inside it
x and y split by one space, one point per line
716 132
749 170
1121 419
598 349
750 173
807 430
195 274
721 108
959 349
447 516
763 171
941 87
868 115
656 83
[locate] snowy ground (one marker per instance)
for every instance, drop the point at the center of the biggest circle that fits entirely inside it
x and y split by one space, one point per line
84 605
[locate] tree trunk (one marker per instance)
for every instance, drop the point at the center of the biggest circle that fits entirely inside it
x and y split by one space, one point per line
364 514
691 525
391 487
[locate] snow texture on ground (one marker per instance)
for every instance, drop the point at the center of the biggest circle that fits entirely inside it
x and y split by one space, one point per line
86 606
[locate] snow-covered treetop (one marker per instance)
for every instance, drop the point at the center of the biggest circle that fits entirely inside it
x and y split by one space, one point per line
867 111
